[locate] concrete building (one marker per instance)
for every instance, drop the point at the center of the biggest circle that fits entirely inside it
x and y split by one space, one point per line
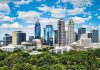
18 37
85 41
7 39
71 33
61 33
8 48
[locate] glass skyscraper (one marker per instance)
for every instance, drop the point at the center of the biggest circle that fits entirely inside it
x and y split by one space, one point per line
7 39
81 31
37 30
48 35
95 36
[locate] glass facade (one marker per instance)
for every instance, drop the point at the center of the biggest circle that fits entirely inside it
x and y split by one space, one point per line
81 31
48 35
95 36
56 36
37 30
7 39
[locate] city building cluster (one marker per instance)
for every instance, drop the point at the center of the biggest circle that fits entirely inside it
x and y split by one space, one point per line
60 39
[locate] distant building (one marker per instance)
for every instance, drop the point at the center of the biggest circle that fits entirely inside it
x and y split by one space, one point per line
18 37
71 33
81 31
37 30
55 36
85 41
7 39
61 33
31 38
48 35
76 37
95 36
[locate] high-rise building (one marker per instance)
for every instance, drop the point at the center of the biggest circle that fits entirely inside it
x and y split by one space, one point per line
81 31
55 36
95 36
71 33
76 36
48 35
7 39
18 37
37 30
31 38
61 33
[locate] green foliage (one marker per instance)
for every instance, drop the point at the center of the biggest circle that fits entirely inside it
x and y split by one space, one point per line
74 60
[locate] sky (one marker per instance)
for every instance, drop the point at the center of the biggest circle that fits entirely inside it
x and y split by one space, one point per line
21 15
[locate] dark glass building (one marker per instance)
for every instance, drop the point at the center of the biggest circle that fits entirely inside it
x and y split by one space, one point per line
37 30
18 37
81 31
55 36
95 36
48 35
7 39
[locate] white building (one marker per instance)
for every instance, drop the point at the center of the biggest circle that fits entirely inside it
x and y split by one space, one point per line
71 33
38 44
84 41
61 49
9 48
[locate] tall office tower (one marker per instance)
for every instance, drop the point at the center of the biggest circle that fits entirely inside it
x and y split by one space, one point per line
55 36
48 35
81 31
71 33
95 36
18 37
37 30
7 39
61 33
90 36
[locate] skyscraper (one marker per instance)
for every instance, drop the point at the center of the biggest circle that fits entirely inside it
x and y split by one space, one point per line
61 33
55 36
7 39
81 31
95 36
18 37
71 33
37 30
48 35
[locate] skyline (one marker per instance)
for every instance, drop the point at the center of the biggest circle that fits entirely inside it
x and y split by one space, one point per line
22 14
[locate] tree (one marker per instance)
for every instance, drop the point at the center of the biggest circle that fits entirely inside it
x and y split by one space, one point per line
58 67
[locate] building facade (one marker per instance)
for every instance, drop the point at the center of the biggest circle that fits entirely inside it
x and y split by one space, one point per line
37 30
71 33
55 36
81 31
7 39
95 36
61 33
18 37
48 35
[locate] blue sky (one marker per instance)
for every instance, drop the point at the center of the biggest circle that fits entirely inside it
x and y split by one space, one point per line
22 14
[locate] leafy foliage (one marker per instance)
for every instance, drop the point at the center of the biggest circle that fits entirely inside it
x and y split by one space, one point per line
74 60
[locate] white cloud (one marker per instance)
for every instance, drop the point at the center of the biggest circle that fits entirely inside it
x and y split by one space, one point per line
4 8
10 26
98 17
9 19
75 11
16 25
85 26
28 16
21 2
77 3
55 12
80 19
